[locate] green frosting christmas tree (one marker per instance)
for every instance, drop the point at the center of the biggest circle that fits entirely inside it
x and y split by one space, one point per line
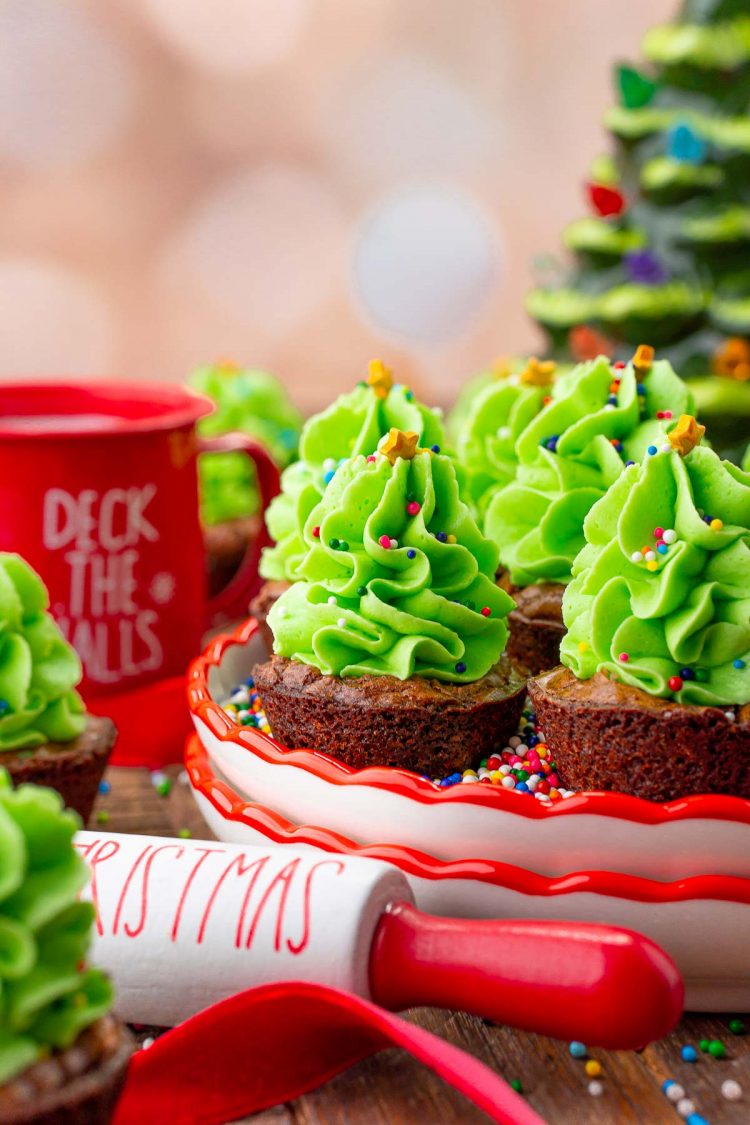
663 254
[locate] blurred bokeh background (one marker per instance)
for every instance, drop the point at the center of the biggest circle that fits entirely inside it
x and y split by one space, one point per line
296 184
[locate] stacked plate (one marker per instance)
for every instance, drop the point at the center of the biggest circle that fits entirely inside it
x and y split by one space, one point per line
679 872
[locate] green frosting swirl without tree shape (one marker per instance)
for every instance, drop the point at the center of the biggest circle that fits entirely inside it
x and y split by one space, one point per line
500 369
693 610
537 519
38 668
486 446
47 995
352 425
362 608
253 403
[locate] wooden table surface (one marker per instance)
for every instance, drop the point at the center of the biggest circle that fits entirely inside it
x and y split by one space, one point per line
392 1087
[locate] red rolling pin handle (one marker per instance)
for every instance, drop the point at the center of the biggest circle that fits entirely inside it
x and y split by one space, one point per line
604 986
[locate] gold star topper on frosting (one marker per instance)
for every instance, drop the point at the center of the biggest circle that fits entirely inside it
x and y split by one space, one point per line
686 434
400 443
732 360
538 372
226 366
642 360
380 377
500 367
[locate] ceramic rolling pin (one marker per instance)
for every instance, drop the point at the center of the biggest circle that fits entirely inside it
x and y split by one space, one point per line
181 924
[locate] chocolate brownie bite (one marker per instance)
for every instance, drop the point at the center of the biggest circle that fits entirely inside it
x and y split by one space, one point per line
63 1056
389 648
655 696
226 545
46 736
536 624
419 724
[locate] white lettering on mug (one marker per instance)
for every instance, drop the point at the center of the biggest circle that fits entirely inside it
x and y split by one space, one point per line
115 636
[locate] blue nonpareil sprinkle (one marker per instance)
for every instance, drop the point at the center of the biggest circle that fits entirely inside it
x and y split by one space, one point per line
411 553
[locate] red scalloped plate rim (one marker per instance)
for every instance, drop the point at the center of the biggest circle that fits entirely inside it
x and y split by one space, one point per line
709 806
276 828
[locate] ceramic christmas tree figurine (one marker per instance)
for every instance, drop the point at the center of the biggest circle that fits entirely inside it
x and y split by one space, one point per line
663 253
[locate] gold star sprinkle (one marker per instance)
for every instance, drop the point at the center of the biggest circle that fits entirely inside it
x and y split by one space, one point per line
538 373
686 434
642 360
399 444
226 366
500 367
732 360
380 377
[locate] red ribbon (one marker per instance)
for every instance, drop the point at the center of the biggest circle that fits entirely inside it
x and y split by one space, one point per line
274 1043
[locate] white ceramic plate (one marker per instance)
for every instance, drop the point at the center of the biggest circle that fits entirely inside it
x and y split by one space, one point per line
694 836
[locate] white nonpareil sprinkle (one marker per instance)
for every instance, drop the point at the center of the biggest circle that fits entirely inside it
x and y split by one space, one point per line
332 600
685 1107
670 535
675 1092
341 622
731 1090
596 1089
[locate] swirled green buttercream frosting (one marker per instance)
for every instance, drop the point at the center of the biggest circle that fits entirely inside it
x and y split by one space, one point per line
397 579
499 370
660 596
352 425
47 994
250 402
568 456
38 668
486 443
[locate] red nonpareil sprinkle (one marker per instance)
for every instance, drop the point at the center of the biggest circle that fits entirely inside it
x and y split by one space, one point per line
385 541
675 683
624 657
619 365
485 611
316 533
372 457
413 507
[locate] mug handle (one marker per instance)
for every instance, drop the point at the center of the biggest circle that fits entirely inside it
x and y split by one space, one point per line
233 601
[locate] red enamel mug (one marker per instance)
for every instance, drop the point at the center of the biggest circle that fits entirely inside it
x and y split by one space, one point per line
99 493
